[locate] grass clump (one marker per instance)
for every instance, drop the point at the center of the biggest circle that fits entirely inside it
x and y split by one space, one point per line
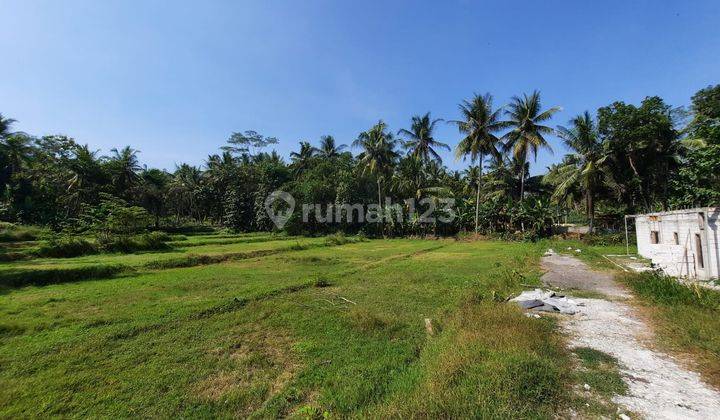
153 241
41 277
597 380
322 282
67 247
687 318
600 371
367 321
9 232
337 239
666 290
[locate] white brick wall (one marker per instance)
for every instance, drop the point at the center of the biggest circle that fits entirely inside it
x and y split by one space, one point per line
681 260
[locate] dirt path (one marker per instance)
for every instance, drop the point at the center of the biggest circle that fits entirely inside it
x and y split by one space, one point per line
659 387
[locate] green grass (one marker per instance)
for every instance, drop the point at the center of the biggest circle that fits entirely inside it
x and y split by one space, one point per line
601 372
687 318
591 254
53 270
324 327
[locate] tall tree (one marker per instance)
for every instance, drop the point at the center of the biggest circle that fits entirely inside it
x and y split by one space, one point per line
183 190
301 159
644 150
379 155
248 142
124 167
5 124
16 149
328 149
479 124
420 142
585 169
86 174
527 133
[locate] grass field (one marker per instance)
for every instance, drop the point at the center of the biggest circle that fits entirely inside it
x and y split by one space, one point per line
309 328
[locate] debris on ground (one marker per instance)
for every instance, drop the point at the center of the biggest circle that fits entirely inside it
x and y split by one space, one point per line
546 301
429 326
659 387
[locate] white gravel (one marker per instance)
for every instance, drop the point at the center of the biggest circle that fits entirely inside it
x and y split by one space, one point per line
659 387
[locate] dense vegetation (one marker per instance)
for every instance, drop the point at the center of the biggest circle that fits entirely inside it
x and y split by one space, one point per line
625 159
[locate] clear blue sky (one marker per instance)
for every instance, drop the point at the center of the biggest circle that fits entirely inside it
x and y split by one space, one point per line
175 78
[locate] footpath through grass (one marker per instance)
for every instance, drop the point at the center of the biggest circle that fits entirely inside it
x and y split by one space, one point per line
686 317
336 330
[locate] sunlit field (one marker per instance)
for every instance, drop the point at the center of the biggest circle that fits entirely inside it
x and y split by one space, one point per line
285 326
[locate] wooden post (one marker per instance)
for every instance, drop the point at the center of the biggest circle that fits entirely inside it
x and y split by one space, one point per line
627 241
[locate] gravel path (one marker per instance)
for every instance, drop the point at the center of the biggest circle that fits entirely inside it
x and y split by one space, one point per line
659 387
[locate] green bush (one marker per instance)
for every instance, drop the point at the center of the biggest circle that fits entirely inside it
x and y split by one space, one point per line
10 232
67 247
146 242
605 239
336 239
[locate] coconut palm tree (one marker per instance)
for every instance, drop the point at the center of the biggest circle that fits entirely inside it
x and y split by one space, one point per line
328 149
526 135
585 168
479 125
420 142
5 124
17 149
86 170
301 159
378 155
409 178
124 167
183 190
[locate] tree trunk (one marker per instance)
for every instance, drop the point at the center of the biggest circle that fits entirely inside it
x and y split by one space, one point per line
477 196
642 189
522 189
591 210
477 207
379 193
522 181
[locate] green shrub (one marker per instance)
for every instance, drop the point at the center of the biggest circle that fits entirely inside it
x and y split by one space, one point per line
10 232
605 239
146 242
67 247
336 239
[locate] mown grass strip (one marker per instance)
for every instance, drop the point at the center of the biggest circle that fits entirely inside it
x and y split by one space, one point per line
226 241
41 277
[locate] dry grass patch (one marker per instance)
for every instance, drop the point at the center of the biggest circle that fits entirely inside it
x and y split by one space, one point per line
257 366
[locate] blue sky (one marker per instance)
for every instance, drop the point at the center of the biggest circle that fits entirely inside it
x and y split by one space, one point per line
175 78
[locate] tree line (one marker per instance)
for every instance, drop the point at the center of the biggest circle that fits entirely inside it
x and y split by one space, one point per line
624 158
